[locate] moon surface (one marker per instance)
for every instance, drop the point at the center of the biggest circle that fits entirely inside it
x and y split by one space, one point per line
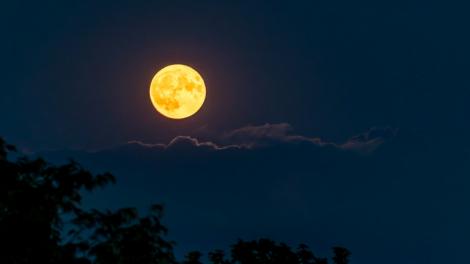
177 91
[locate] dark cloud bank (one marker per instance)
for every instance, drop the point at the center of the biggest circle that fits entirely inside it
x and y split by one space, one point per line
380 193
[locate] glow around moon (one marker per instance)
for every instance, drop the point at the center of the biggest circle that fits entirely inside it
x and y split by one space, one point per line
177 91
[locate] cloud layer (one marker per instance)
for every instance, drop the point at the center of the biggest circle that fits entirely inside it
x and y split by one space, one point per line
272 135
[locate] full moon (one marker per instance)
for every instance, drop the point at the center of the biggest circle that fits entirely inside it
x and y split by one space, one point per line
177 91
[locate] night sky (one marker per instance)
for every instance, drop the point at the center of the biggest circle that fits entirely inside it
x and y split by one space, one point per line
325 122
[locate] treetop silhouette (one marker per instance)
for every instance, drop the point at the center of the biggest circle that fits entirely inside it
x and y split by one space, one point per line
42 220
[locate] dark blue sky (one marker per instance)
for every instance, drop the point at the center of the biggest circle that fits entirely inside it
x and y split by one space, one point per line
75 75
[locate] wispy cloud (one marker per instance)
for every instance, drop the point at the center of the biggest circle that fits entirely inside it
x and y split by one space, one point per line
272 135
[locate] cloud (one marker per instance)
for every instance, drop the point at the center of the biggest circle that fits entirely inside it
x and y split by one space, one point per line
184 143
273 135
146 145
268 135
369 141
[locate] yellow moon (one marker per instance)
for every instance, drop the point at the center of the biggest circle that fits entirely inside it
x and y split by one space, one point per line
177 91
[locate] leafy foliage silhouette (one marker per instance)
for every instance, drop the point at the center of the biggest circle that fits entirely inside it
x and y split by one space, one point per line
42 221
193 257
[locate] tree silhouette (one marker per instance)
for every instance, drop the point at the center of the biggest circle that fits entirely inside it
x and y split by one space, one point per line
321 261
193 257
125 238
341 255
262 251
218 257
42 221
35 198
304 255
